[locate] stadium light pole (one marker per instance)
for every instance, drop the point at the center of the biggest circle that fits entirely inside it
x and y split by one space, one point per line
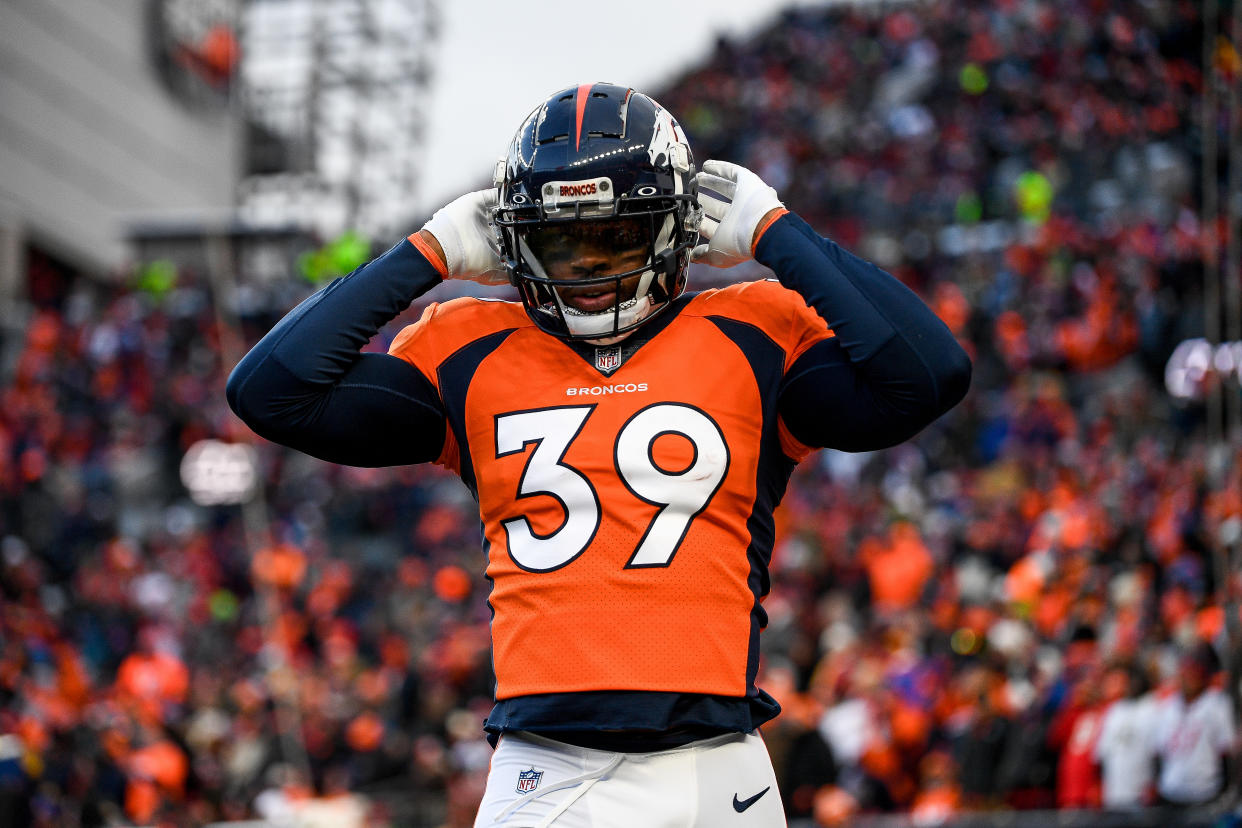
221 262
1221 300
1210 223
256 528
1232 386
1233 211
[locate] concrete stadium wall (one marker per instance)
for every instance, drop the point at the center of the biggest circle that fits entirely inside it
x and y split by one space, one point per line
90 138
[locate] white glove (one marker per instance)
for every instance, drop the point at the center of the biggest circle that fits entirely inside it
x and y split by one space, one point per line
463 227
734 201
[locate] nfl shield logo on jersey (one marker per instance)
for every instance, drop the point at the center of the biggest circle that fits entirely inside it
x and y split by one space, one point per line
528 780
607 359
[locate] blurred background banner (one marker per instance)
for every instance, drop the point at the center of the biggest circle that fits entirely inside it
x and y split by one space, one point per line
1027 615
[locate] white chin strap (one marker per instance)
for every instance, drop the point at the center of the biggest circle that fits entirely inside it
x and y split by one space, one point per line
631 311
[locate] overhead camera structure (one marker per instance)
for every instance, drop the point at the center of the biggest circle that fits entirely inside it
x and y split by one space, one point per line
334 93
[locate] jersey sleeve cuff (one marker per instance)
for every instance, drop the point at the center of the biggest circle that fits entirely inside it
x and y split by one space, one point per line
429 254
763 228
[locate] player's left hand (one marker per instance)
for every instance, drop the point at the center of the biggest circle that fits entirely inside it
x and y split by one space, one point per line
735 203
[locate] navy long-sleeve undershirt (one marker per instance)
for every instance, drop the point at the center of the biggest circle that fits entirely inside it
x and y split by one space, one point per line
891 369
307 386
893 366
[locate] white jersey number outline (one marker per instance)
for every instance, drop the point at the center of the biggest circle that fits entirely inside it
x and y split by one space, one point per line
681 495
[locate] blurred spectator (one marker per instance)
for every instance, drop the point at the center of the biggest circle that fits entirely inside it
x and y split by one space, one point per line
1124 749
1194 734
981 731
1074 733
898 567
939 797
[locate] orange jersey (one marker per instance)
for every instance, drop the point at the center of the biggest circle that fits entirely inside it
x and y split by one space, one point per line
626 503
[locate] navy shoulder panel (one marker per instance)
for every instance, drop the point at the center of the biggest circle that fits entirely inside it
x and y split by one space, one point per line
454 376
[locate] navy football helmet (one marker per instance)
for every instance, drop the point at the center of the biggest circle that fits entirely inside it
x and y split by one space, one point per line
598 164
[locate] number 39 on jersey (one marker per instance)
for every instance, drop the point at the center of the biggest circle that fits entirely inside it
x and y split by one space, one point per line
679 495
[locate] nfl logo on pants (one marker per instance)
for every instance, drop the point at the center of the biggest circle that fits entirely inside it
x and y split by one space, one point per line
528 780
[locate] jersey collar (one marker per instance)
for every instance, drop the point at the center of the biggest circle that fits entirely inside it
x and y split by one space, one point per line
608 359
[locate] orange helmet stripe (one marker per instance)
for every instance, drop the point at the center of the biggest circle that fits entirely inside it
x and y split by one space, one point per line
580 101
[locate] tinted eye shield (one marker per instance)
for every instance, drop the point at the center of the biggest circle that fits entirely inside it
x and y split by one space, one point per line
652 224
518 223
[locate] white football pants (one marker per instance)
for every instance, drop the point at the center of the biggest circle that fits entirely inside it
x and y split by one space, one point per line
724 781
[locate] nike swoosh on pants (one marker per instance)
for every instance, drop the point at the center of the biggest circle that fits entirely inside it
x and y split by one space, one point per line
743 804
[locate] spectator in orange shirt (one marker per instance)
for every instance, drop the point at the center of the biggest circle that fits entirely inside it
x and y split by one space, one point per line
157 774
939 795
152 678
898 568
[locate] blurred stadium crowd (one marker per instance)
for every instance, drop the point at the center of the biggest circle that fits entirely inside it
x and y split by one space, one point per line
979 619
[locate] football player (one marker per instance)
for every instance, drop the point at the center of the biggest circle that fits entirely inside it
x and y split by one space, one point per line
626 441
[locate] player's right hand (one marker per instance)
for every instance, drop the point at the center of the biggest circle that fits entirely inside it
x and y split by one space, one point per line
736 203
462 229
